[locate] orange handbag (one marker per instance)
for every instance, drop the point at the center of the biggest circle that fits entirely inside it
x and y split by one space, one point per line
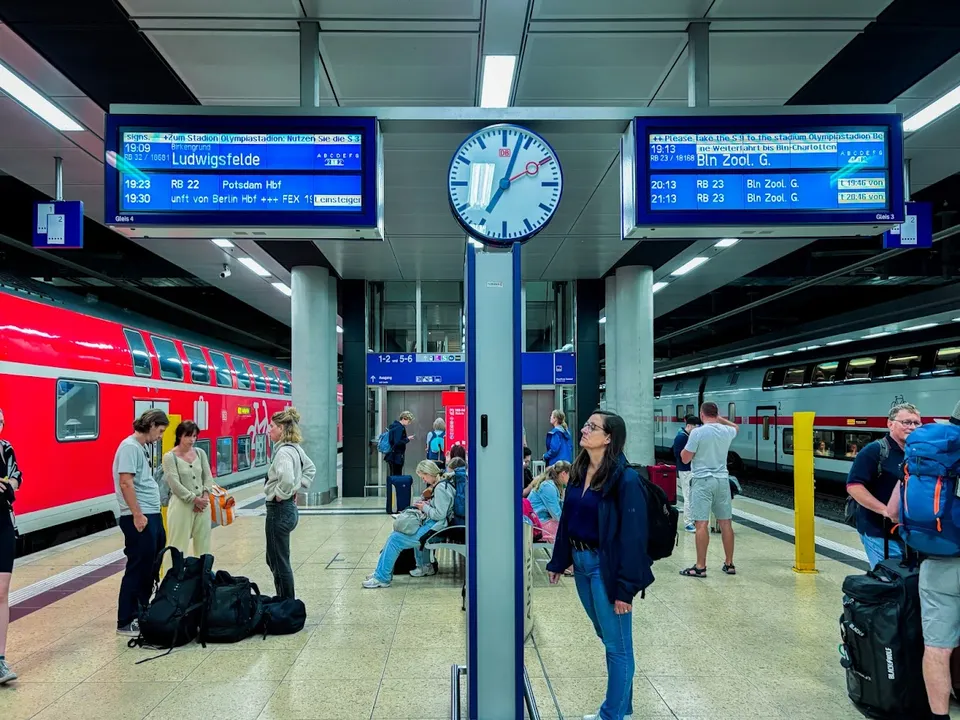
222 506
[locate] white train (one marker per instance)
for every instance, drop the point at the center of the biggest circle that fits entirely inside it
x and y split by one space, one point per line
850 393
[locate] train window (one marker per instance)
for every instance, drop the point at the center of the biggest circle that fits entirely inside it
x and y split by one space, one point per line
947 362
221 369
243 452
732 412
657 388
224 456
199 370
794 376
689 409
256 372
243 375
289 387
260 450
860 369
679 386
78 410
766 427
788 441
732 378
824 443
284 381
773 378
825 373
902 366
171 366
680 414
203 445
139 353
854 442
275 379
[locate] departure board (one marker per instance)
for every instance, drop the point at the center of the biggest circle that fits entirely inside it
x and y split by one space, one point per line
772 170
241 171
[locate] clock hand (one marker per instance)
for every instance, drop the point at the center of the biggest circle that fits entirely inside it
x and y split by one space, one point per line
505 180
528 171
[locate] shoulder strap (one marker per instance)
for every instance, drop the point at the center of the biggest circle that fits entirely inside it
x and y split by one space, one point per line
884 448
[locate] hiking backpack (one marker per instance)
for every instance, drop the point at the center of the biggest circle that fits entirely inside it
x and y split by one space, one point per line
850 511
460 500
662 518
173 616
383 443
436 446
233 609
929 506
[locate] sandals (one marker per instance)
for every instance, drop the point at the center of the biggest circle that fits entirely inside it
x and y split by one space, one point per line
694 571
729 569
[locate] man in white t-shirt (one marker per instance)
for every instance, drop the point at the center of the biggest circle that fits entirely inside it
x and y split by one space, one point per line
706 451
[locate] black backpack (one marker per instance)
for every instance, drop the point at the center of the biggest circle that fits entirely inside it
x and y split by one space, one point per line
233 609
282 616
662 518
173 616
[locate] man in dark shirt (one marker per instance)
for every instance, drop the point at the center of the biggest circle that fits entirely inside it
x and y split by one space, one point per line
873 477
527 475
683 469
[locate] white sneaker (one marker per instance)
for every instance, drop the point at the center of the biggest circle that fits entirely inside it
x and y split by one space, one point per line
373 584
423 572
6 673
131 630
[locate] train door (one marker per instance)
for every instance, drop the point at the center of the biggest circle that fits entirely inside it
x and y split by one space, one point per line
139 408
659 429
767 437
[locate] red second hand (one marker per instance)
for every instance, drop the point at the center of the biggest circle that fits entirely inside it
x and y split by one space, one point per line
527 172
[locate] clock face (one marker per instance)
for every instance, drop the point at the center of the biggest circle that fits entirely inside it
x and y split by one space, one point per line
504 184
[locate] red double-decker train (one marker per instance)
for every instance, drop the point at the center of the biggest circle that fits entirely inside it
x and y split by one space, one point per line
72 381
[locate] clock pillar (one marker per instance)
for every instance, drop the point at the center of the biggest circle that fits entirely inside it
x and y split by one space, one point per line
313 324
632 347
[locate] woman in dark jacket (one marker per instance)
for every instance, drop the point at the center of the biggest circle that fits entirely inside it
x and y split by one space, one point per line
603 533
398 438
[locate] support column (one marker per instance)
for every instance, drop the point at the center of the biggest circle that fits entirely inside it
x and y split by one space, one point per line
314 332
589 301
610 334
309 64
698 64
356 443
634 343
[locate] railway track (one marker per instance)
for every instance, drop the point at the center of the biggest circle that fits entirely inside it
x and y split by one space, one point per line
826 504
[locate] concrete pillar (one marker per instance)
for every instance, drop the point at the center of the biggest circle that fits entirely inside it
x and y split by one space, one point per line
314 332
634 343
610 343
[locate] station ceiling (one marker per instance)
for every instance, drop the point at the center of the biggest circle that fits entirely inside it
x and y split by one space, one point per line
380 53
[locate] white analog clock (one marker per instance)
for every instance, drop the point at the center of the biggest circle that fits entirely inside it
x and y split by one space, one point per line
504 184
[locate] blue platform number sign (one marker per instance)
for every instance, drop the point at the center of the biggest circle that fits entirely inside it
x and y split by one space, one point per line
58 225
916 230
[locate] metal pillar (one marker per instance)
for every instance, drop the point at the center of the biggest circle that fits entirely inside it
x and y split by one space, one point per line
906 180
610 343
698 64
309 64
495 589
313 316
634 343
58 178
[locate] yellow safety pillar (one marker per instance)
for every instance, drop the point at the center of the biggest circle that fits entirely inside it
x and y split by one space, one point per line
804 530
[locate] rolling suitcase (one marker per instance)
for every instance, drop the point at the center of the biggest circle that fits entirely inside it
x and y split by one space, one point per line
882 637
664 477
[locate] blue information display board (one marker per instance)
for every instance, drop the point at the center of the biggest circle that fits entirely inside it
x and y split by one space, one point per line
450 369
768 170
241 171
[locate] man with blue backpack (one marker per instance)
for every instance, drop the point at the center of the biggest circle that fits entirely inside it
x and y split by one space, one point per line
928 507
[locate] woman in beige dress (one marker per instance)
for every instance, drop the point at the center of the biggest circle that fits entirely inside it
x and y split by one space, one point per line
186 469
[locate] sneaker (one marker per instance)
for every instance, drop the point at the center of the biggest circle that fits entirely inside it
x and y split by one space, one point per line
6 673
373 584
423 572
690 528
597 717
131 630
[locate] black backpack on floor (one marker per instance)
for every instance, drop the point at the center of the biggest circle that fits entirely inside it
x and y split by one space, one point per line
232 611
282 616
173 616
662 518
882 635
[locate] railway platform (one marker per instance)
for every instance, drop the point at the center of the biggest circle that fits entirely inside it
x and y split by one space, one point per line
761 644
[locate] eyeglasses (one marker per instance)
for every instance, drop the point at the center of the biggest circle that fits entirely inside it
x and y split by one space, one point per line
909 423
592 427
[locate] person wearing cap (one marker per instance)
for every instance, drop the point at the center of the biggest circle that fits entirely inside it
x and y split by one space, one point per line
939 607
684 472
874 474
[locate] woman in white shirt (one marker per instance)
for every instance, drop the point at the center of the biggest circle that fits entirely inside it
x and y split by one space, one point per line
290 471
186 470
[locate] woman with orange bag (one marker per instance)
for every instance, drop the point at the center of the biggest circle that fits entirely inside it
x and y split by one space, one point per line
186 469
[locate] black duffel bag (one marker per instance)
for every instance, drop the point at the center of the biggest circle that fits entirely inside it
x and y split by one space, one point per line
233 609
281 616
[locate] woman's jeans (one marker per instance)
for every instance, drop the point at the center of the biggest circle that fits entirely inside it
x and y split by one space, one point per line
282 519
616 632
397 543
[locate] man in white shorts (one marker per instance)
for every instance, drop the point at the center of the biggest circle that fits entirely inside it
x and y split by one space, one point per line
706 451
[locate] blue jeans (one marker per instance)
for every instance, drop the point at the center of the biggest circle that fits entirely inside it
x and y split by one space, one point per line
616 632
874 548
397 543
282 519
141 548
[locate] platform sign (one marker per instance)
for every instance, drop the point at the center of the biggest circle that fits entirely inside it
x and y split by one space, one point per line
779 171
455 414
916 230
58 225
170 171
406 369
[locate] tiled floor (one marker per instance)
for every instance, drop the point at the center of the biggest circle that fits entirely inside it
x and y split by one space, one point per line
762 644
